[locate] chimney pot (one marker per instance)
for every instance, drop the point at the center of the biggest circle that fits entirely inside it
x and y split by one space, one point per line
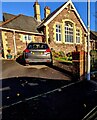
46 11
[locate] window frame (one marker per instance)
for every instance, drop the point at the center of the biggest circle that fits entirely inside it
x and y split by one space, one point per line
58 32
68 30
78 35
27 38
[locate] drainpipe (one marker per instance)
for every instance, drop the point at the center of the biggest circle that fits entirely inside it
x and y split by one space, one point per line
15 50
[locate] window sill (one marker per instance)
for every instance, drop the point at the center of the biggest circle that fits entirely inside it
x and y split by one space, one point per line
68 43
58 42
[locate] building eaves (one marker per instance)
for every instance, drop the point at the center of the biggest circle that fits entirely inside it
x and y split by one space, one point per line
50 15
7 16
22 23
9 20
93 35
94 32
57 11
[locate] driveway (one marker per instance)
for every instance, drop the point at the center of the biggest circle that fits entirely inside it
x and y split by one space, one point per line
11 68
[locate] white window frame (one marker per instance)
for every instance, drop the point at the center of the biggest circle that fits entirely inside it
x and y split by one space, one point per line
69 32
78 36
26 37
29 37
58 33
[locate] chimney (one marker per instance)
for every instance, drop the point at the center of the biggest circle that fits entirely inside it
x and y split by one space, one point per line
37 11
46 11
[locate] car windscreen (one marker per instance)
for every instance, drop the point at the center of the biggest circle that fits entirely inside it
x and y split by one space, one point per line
37 46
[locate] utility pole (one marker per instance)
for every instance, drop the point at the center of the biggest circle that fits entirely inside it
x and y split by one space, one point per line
88 43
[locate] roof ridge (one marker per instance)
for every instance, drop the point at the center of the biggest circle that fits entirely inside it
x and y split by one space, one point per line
53 12
10 20
57 11
9 13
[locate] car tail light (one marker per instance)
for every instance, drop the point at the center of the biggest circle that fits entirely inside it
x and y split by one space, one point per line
48 50
26 51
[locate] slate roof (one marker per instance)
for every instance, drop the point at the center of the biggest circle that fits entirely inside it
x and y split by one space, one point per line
93 35
94 32
7 16
20 22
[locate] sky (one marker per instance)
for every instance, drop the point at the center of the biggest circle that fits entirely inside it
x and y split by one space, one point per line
26 8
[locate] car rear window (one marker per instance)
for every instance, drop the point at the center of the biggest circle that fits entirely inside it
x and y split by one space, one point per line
37 46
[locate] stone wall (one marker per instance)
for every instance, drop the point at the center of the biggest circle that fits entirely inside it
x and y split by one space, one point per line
65 15
8 42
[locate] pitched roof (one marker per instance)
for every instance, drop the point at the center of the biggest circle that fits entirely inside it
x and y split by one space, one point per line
57 11
49 16
93 35
7 16
20 22
9 20
94 32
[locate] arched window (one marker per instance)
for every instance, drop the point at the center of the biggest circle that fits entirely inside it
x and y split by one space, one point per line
68 32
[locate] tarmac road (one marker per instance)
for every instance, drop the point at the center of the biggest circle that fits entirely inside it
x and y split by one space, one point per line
42 99
45 93
11 68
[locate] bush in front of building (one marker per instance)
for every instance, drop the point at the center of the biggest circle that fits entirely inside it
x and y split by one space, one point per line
61 56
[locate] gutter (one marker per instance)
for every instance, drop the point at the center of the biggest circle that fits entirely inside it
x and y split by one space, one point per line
21 31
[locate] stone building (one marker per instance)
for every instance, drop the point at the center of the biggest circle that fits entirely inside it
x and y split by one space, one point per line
18 30
63 29
93 41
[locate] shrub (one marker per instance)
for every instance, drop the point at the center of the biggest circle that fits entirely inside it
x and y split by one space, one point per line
55 54
61 53
69 54
70 58
64 58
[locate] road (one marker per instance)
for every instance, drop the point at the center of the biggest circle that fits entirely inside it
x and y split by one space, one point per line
40 92
42 99
11 68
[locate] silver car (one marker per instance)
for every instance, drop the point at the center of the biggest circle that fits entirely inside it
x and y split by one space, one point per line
37 53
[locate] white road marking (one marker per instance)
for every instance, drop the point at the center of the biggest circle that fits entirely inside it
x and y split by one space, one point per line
89 113
5 88
39 95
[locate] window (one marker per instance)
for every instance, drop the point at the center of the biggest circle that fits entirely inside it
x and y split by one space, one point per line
77 36
58 33
68 32
27 37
